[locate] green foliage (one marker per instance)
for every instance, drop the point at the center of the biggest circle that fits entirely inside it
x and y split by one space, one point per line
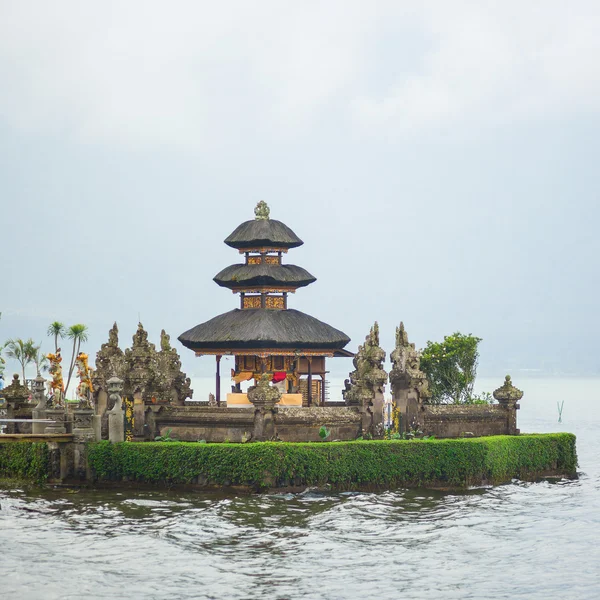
166 437
24 460
451 367
78 333
343 465
483 398
23 351
56 330
324 433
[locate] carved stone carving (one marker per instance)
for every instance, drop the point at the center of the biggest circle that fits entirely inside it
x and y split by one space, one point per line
410 387
264 397
406 373
508 393
171 381
368 377
39 412
155 375
110 361
262 211
16 394
508 397
116 425
367 383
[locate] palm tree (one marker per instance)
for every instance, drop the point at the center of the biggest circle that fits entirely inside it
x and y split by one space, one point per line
77 333
21 351
58 330
40 360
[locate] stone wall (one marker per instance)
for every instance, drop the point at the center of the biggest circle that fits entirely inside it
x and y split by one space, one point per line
460 420
191 423
294 424
217 424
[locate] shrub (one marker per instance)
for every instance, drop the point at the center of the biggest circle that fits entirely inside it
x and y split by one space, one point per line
451 367
24 460
343 465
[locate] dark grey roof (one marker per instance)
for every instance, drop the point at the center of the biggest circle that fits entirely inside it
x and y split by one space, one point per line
263 328
263 232
236 276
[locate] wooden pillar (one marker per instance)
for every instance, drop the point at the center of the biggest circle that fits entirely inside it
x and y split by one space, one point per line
322 389
309 359
218 381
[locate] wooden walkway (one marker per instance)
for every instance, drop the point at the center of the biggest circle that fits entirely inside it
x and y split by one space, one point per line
7 438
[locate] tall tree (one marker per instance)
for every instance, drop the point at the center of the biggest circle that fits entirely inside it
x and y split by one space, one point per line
56 330
77 333
21 351
451 367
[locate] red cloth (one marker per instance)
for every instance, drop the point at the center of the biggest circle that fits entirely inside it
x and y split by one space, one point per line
278 376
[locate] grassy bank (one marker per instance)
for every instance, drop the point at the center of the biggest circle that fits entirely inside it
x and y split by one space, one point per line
24 461
343 465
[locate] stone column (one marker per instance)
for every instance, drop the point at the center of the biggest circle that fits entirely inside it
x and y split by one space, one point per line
39 412
264 397
508 397
116 424
83 432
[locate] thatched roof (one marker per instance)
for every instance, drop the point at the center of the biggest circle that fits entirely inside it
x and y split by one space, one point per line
236 276
262 328
263 233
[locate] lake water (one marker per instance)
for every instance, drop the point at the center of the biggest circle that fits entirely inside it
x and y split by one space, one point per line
521 540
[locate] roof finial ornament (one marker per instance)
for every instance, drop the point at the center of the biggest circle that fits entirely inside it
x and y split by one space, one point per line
262 211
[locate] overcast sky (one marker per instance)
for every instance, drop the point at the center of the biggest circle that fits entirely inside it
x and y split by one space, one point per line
439 160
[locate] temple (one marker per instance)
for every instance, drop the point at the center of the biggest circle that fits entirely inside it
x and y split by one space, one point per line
263 334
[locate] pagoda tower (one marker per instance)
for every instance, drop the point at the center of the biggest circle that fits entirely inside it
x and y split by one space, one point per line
263 334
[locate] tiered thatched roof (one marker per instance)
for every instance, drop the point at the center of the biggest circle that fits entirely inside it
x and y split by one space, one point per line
263 232
237 276
258 328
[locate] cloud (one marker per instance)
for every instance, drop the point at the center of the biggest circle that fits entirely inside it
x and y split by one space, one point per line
492 65
203 75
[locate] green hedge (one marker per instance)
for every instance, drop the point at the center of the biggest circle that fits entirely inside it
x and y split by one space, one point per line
344 465
24 460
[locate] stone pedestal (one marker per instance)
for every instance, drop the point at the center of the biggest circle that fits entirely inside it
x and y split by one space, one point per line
59 416
264 397
82 432
82 424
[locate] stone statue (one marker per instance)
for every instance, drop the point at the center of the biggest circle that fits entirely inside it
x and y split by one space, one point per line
85 387
262 211
55 369
406 370
368 377
171 382
212 401
410 387
110 360
367 383
116 424
264 397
